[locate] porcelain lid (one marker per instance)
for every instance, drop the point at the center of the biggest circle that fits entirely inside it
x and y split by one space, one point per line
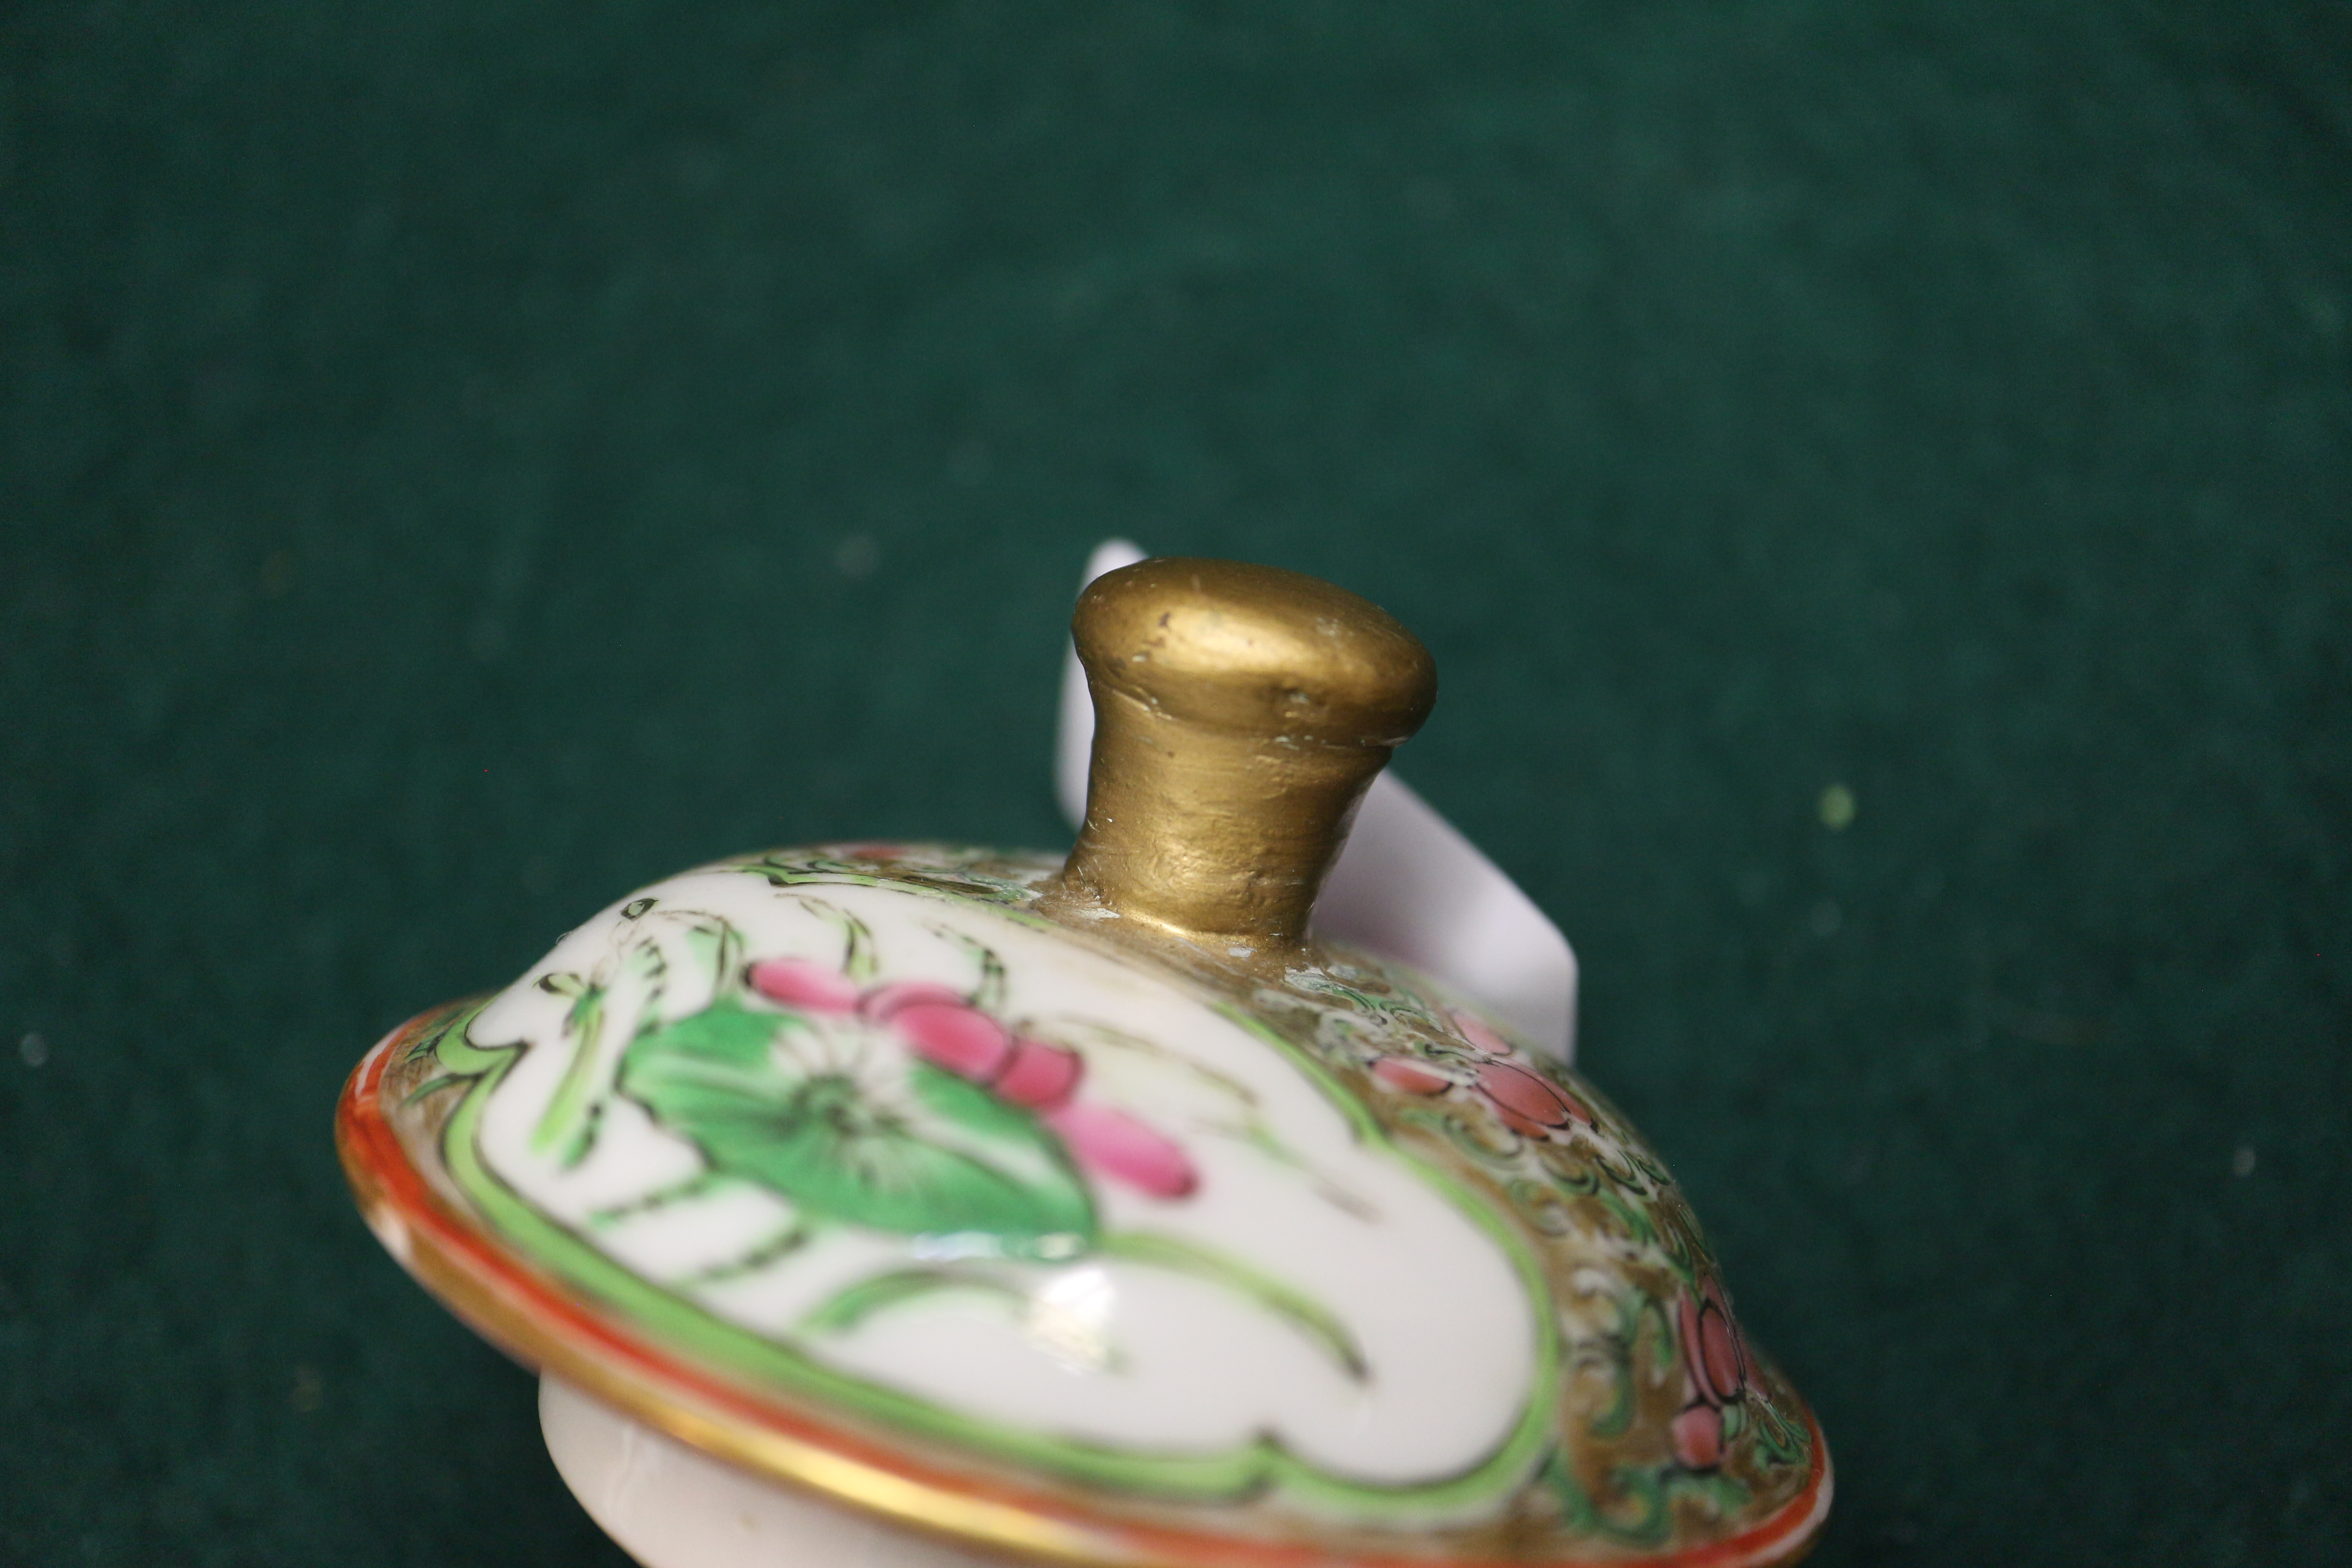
1093 1211
848 1166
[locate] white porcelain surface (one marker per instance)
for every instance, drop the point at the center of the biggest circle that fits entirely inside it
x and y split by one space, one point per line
671 1507
1426 1356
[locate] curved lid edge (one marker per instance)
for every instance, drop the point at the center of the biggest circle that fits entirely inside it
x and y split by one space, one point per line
540 1323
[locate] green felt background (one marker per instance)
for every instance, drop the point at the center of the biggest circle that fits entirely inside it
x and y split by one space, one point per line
432 436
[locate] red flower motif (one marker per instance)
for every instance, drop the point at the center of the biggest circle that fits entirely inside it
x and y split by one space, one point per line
1698 1436
1039 1076
938 1024
883 1001
1529 1103
954 1036
1482 1038
1714 1374
1111 1140
812 987
1412 1075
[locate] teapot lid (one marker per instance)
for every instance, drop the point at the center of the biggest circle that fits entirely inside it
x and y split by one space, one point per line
1093 1210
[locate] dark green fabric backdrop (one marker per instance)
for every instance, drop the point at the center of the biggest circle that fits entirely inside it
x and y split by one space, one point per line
458 460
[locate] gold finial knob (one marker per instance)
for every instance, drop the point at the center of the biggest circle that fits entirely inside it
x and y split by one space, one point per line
1239 714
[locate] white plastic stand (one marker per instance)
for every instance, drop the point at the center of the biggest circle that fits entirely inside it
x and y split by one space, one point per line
1408 886
670 1506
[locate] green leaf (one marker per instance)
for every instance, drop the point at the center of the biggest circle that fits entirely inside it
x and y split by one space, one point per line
878 1293
568 1126
838 1121
989 995
583 1025
858 960
716 946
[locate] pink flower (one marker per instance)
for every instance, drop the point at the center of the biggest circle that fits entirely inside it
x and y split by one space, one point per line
883 1002
797 982
967 1042
1411 1076
938 1024
1698 1435
1481 1039
1117 1144
954 1035
1039 1076
1529 1103
1713 1347
1714 1374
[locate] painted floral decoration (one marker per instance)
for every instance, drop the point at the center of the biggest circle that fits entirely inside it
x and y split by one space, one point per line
1714 1374
1017 1156
1450 1063
944 1027
906 1107
1526 1101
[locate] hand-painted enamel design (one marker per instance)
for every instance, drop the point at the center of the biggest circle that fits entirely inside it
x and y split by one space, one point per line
851 1165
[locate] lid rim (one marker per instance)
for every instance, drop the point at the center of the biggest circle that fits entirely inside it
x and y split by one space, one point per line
513 1305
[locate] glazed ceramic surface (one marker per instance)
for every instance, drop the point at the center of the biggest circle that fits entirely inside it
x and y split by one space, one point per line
852 1166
